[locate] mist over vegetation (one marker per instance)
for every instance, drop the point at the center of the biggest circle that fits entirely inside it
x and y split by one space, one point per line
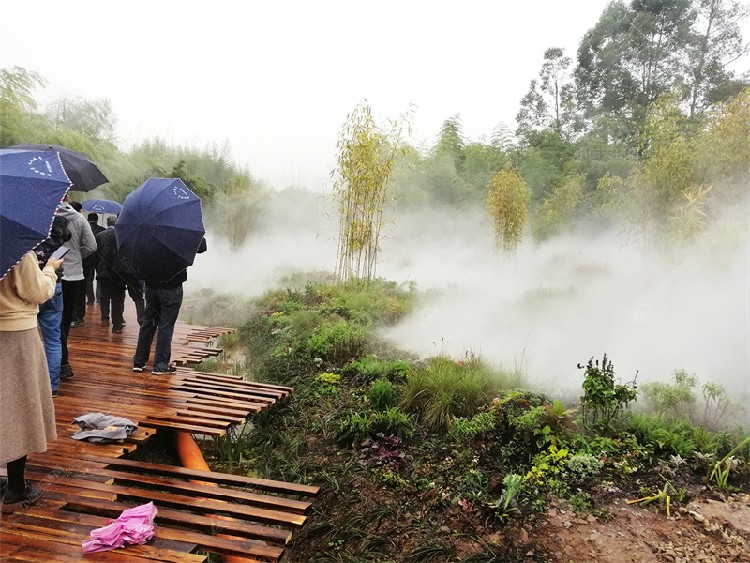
612 216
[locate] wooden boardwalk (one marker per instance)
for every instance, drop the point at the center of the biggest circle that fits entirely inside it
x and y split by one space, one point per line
199 512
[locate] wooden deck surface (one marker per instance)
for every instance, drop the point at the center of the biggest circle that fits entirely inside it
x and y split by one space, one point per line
199 512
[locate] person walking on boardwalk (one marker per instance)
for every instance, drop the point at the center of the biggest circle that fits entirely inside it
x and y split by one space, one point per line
81 244
27 414
111 284
163 302
89 263
159 232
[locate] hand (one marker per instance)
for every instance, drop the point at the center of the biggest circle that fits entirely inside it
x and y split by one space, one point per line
55 263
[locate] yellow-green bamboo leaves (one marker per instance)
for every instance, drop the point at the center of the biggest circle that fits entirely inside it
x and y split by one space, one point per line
508 205
366 156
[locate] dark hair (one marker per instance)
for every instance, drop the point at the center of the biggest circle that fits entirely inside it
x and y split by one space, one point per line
59 235
77 205
93 216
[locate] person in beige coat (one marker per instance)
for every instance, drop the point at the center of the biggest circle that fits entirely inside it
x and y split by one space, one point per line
27 415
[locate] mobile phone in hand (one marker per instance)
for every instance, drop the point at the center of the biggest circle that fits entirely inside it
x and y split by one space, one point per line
60 252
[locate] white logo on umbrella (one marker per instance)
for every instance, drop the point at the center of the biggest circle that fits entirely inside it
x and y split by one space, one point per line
180 192
34 169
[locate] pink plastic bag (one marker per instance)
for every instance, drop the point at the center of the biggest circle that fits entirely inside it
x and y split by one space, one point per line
133 526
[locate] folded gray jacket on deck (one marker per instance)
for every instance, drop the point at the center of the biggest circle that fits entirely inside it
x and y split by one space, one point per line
102 428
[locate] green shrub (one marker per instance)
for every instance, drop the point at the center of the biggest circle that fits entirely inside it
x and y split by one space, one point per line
671 400
328 383
354 428
666 437
584 465
357 427
382 395
603 401
336 343
469 428
392 421
369 368
445 389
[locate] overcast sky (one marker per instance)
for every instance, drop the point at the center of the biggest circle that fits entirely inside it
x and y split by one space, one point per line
277 79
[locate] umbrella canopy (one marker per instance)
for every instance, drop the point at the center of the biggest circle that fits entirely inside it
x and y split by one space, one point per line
159 229
32 184
102 206
84 174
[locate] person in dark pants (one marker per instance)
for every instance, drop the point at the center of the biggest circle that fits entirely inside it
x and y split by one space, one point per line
163 302
135 291
89 263
49 317
81 244
111 284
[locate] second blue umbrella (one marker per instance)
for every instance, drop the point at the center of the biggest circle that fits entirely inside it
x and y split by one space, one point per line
159 229
102 206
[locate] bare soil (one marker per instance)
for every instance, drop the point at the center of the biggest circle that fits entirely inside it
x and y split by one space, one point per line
705 530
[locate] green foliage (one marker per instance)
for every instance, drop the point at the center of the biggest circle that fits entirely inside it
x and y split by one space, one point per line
480 424
444 389
369 368
358 426
584 465
336 343
559 208
671 400
512 484
328 383
667 437
232 447
721 470
382 395
603 400
547 471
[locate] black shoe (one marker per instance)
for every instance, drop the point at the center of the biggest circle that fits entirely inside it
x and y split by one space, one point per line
55 394
77 322
66 372
116 329
170 369
14 501
138 369
3 486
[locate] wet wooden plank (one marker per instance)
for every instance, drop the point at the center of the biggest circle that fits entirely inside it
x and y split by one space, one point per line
83 488
224 478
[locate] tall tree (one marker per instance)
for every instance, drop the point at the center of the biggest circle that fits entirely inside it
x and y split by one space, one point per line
550 101
17 103
717 42
450 142
632 56
93 118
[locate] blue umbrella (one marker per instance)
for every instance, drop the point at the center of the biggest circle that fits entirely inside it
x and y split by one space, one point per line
159 229
32 184
102 206
84 174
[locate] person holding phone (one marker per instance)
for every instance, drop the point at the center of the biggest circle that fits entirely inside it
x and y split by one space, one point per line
49 318
27 414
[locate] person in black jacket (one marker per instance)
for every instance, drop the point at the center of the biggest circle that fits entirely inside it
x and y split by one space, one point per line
111 284
163 302
89 263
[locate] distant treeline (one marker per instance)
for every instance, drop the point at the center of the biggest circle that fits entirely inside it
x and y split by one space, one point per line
649 126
